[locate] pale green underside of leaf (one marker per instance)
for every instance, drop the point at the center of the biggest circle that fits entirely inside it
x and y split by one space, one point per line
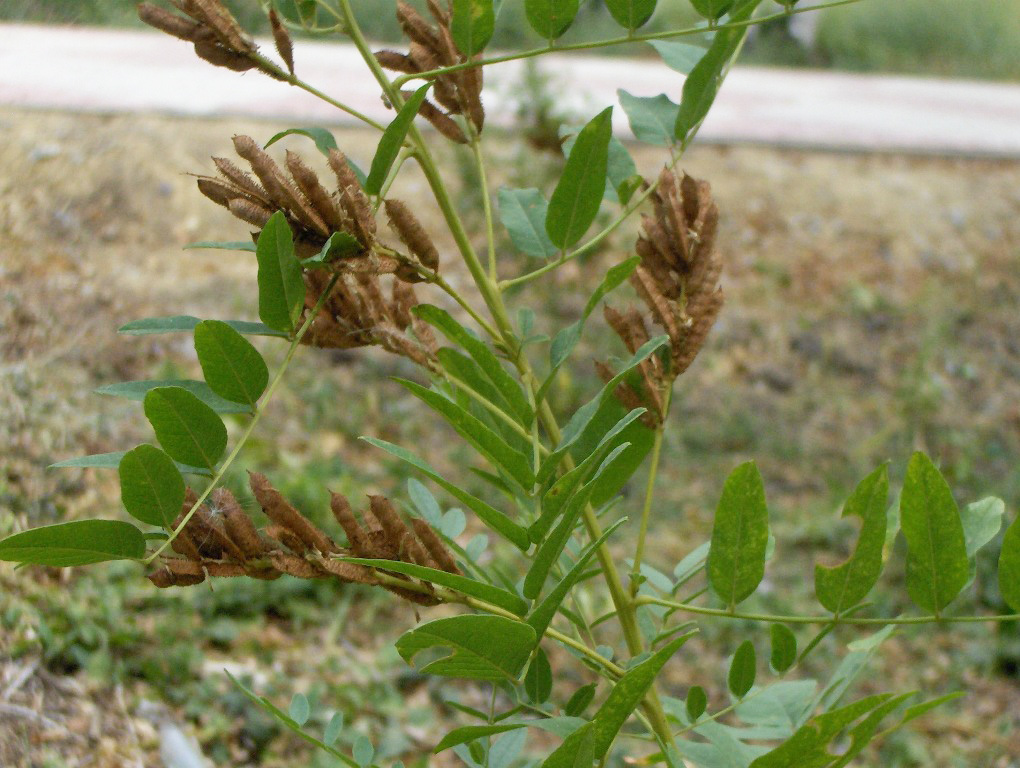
81 542
187 323
112 461
483 647
137 390
523 213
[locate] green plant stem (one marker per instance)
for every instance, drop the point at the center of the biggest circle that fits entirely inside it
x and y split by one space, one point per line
492 408
490 231
835 620
270 390
646 509
620 40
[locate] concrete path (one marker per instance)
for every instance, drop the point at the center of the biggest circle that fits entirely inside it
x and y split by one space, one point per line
117 71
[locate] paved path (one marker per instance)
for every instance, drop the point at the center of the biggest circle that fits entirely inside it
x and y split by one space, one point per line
116 71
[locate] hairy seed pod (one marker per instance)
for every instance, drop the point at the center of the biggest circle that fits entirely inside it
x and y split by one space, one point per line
314 192
218 191
171 23
284 45
294 566
442 122
288 538
393 527
165 577
241 180
412 233
396 62
344 175
282 513
211 534
223 23
436 546
237 524
415 26
282 191
663 312
441 15
219 56
356 535
359 574
404 299
412 551
246 210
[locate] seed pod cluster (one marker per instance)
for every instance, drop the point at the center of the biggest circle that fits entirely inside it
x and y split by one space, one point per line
214 32
432 47
678 282
220 540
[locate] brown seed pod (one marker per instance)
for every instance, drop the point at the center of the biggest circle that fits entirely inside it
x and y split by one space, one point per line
396 62
223 23
248 211
442 122
211 537
165 577
393 527
358 574
436 546
295 566
284 45
240 179
219 192
237 524
171 23
287 538
219 56
412 233
282 513
356 535
415 26
314 192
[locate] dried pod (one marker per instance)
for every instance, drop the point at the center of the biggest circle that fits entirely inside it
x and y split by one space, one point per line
356 535
217 191
412 550
165 577
240 179
442 122
288 538
172 24
393 527
251 212
396 62
314 192
239 527
358 574
295 566
435 545
284 45
282 513
412 234
415 26
219 56
223 23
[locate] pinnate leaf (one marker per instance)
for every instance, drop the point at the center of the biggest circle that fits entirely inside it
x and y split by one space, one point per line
187 429
736 556
281 286
484 647
631 14
842 587
578 194
937 567
151 486
81 542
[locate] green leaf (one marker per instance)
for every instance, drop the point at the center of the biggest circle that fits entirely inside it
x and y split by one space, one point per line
697 702
844 586
187 429
333 729
538 680
484 647
472 25
784 648
652 119
81 542
363 751
742 670
323 139
937 567
112 461
544 612
550 549
712 9
281 285
580 700
151 486
187 323
454 581
982 521
736 556
507 386
232 367
702 84
680 57
627 695
523 213
392 139
339 245
299 708
550 18
631 14
575 201
222 245
577 750
288 722
635 433
489 515
469 733
488 443
137 390
1009 566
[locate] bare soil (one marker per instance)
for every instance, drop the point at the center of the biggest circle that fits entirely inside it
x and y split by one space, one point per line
873 308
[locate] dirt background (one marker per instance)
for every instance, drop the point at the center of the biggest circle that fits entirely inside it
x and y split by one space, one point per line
873 308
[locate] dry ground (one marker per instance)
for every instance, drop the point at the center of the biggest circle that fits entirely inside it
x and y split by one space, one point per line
873 308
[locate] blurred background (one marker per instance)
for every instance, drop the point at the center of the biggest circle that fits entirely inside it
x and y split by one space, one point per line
873 308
